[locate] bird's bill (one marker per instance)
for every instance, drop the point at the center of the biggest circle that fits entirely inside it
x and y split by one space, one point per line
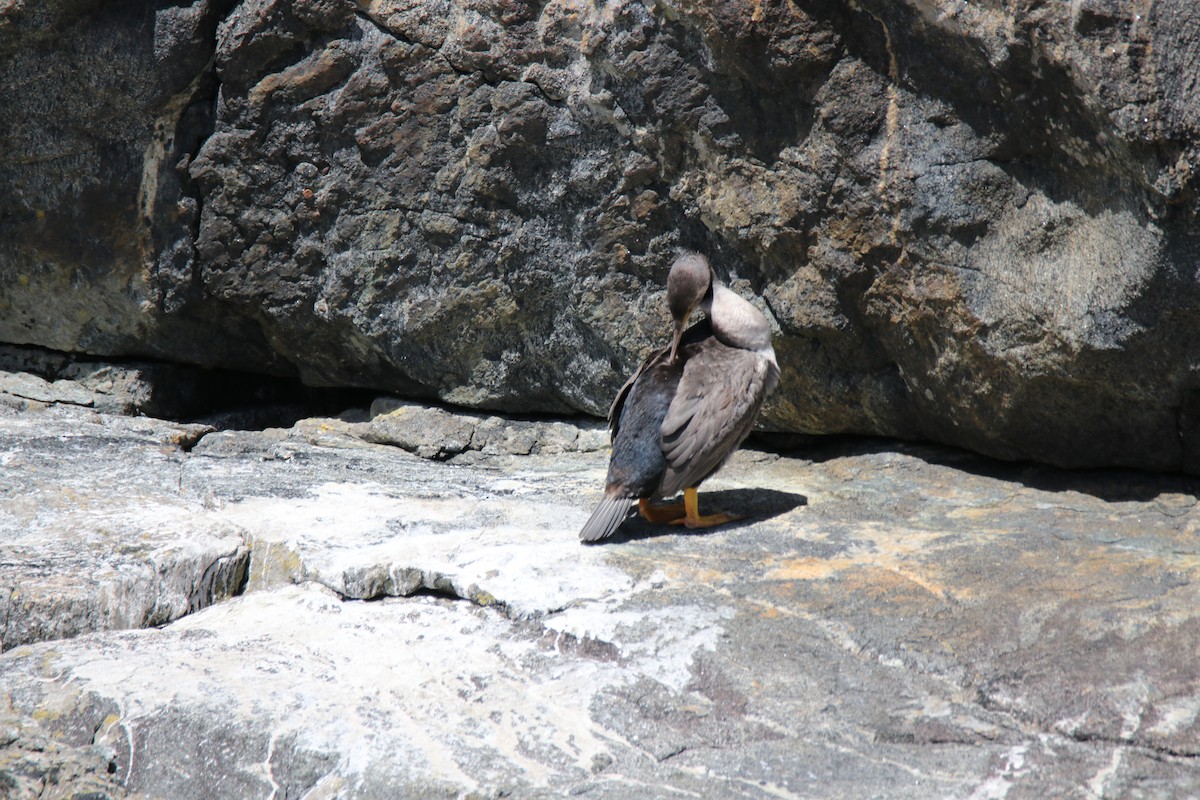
679 326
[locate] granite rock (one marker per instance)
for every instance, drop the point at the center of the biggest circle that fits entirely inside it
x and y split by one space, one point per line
94 533
899 622
440 433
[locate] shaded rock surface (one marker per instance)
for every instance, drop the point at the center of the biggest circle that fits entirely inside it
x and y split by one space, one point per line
901 623
972 223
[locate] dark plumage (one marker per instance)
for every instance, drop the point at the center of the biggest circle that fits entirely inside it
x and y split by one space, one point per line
689 406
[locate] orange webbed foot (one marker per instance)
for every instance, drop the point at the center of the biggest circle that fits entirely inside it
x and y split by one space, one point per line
692 517
666 513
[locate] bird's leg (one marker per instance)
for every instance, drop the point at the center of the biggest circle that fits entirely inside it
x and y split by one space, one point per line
668 512
694 519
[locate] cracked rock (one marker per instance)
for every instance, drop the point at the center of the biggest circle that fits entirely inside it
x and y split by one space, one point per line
906 622
96 532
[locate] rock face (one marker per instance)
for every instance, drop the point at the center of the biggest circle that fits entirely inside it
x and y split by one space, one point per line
885 624
972 223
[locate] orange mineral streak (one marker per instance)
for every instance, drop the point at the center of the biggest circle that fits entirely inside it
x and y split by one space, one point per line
880 552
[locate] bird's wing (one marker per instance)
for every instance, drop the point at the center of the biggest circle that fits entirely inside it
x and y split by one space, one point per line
618 403
719 396
696 333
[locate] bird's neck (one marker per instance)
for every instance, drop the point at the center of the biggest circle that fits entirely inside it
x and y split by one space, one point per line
737 323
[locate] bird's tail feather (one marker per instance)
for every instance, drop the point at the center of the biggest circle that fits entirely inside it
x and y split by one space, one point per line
607 517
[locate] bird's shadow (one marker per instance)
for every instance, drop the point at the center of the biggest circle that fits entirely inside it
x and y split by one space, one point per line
752 505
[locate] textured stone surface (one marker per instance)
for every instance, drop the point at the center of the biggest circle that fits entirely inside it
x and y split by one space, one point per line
973 223
97 245
45 377
35 765
887 623
94 534
438 433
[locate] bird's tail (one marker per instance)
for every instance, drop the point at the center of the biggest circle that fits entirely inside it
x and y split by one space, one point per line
607 517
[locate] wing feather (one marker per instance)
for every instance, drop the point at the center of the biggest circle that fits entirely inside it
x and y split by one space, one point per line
719 397
618 403
696 333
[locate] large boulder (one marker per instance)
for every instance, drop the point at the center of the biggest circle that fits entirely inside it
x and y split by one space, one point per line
971 223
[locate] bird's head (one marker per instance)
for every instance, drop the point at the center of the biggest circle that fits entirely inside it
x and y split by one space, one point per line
688 285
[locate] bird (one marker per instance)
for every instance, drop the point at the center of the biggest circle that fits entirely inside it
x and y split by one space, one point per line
689 406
